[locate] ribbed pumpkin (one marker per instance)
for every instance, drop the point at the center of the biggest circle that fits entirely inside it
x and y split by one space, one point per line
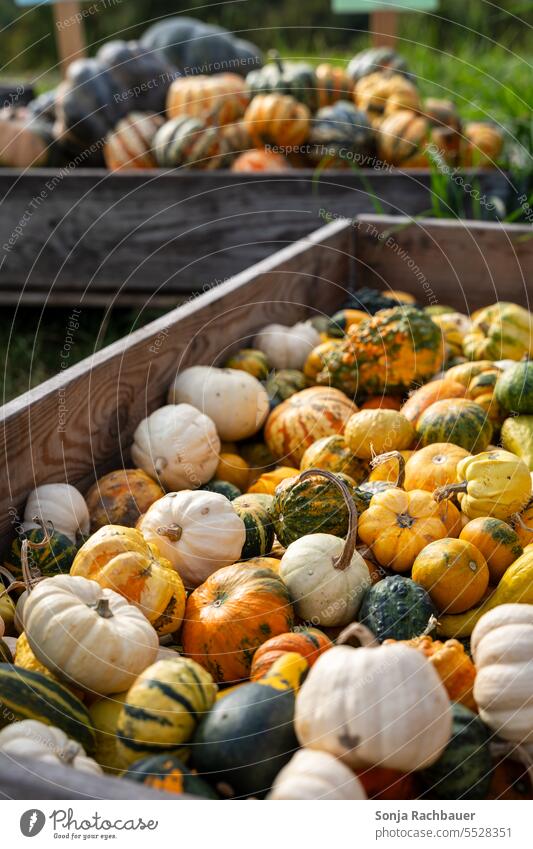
382 93
455 420
277 119
454 573
297 79
308 642
168 773
120 497
254 511
401 137
231 615
436 390
305 417
130 145
236 139
316 359
454 325
259 160
284 383
496 540
483 144
433 466
387 353
51 557
333 84
250 360
218 99
465 372
499 332
266 483
332 454
340 134
376 59
371 432
163 707
189 143
309 505
396 608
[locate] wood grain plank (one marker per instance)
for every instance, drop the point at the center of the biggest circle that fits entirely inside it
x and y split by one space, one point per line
81 422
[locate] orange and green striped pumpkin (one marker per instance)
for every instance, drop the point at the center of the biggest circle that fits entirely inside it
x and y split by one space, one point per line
310 506
308 642
333 455
455 420
250 360
253 510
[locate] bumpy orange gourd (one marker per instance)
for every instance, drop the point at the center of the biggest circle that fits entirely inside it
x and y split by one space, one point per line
309 642
433 466
454 573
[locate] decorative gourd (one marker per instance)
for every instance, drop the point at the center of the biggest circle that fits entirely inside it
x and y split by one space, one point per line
310 643
387 470
454 573
455 420
325 576
59 504
305 417
456 670
287 347
30 695
500 331
309 504
7 612
442 113
364 493
436 390
376 59
232 468
198 532
315 361
130 144
266 483
120 559
464 769
248 735
371 432
496 540
297 79
382 402
24 142
190 143
483 145
494 483
333 84
53 557
517 437
25 659
250 360
402 721
258 456
316 775
454 325
502 651
385 354
163 707
465 372
5 652
234 400
514 388
380 94
88 636
120 497
232 614
389 784
332 454
401 138
225 488
168 773
177 445
219 99
340 134
45 744
254 512
104 713
396 608
433 466
271 563
284 383
515 587
523 525
277 119
260 160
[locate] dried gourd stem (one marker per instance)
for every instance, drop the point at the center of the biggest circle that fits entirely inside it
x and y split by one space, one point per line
391 455
443 492
357 635
345 559
171 532
70 752
432 624
103 609
515 752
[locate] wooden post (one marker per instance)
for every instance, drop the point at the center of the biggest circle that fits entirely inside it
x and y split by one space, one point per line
384 28
69 32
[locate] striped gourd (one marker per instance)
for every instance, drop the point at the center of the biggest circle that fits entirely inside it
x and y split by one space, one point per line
189 142
167 772
332 454
5 653
250 360
30 695
163 707
253 510
130 144
310 506
55 558
455 420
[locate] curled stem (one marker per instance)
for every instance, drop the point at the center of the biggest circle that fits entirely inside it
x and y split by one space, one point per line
345 558
443 492
391 455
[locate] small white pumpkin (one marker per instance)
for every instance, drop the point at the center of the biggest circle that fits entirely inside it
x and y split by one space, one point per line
199 532
312 774
235 400
45 743
89 636
61 504
371 708
326 576
502 648
177 445
287 347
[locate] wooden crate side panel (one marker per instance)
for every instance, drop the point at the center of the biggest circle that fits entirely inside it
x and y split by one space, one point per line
81 422
463 264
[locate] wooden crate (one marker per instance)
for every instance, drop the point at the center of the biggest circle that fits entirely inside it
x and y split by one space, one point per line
80 424
92 237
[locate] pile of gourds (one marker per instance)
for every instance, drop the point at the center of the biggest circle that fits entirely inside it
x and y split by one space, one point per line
315 580
165 102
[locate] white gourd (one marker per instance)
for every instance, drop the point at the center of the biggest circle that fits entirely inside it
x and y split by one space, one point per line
61 504
312 774
198 532
287 347
178 445
235 400
44 743
502 648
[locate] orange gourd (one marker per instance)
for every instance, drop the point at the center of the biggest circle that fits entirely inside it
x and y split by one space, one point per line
436 390
266 483
497 541
433 466
232 468
255 160
309 642
454 573
382 402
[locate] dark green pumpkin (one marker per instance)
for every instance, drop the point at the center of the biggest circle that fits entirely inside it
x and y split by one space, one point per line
5 653
54 559
311 506
376 59
342 134
223 488
30 695
168 773
455 420
295 78
254 511
514 388
396 608
250 360
464 769
284 383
